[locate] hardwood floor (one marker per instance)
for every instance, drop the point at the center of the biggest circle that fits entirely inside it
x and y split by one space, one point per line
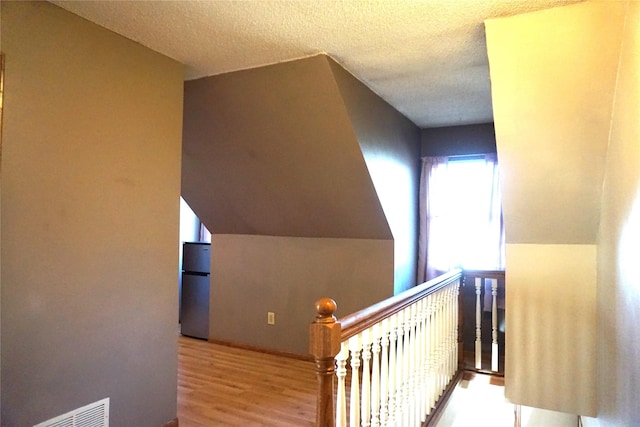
226 386
478 401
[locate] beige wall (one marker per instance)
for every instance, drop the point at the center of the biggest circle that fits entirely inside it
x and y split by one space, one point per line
251 275
619 245
553 73
550 325
552 76
90 187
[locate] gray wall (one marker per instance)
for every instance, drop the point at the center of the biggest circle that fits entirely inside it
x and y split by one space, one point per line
458 140
251 275
308 182
271 151
390 144
90 187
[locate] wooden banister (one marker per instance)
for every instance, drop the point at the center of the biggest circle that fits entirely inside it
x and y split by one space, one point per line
363 319
488 274
326 336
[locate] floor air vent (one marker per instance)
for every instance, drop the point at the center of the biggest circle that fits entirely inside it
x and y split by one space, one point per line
93 415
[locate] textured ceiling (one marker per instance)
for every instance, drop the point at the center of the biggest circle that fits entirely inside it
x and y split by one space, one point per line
426 58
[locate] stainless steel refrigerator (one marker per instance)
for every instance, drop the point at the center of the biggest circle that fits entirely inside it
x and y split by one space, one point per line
194 299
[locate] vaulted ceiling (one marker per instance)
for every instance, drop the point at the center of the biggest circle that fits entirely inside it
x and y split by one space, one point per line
426 58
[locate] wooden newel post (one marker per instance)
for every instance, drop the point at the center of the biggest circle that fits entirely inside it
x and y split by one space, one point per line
324 345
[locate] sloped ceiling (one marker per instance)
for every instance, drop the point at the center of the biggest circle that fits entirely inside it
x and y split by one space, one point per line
426 58
271 151
554 76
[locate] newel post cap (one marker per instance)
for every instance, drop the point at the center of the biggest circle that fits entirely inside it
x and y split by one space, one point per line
324 332
325 307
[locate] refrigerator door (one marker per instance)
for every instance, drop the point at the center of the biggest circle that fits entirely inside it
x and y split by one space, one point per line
194 321
196 257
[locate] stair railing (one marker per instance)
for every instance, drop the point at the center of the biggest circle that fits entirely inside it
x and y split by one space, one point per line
403 355
483 309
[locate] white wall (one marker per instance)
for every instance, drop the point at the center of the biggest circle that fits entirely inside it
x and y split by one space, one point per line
189 232
189 224
189 229
618 291
534 417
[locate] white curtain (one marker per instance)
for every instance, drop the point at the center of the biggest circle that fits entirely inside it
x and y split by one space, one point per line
460 215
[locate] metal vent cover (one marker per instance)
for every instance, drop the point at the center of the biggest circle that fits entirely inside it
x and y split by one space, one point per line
92 415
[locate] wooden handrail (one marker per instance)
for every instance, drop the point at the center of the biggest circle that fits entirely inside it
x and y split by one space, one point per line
360 320
489 274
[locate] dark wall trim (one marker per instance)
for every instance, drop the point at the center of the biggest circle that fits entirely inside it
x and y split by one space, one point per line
458 140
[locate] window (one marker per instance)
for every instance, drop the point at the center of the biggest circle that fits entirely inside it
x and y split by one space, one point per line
460 215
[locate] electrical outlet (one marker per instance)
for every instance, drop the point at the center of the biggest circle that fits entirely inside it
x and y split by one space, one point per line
271 318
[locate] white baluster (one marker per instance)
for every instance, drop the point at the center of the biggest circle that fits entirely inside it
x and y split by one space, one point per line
432 352
437 325
393 336
384 373
355 347
494 325
365 413
424 369
415 365
409 381
444 354
478 324
422 360
446 338
456 325
441 341
376 331
399 367
341 373
453 332
454 328
406 365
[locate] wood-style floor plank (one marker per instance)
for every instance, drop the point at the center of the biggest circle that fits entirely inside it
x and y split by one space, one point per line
227 386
